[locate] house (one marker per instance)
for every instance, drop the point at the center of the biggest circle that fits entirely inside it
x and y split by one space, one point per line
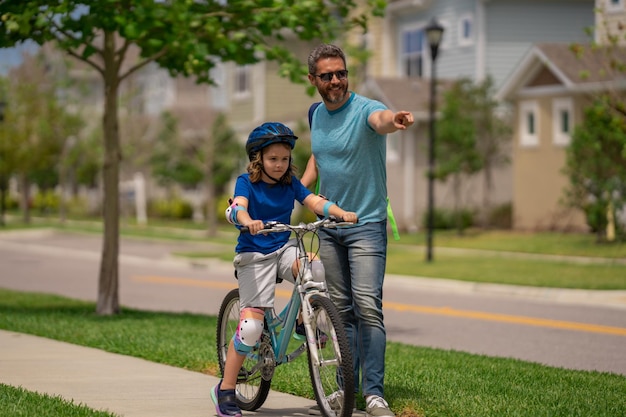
481 38
548 93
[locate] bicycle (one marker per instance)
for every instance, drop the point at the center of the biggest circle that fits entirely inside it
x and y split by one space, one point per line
329 357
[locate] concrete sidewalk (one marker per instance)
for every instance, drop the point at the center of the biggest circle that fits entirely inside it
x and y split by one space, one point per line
123 385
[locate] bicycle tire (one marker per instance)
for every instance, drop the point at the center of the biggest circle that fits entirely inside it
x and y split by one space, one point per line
332 376
252 389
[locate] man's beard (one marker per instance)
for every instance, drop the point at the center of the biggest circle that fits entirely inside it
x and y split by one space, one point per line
335 96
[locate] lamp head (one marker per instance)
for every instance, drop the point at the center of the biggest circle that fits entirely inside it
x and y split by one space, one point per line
434 33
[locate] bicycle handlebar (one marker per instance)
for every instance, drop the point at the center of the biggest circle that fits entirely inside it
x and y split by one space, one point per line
276 227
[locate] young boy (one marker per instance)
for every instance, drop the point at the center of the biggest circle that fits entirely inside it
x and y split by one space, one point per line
266 192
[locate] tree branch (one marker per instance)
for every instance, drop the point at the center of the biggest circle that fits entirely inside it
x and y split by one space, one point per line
143 63
78 56
65 36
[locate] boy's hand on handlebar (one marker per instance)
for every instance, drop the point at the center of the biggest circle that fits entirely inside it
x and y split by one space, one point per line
350 216
254 226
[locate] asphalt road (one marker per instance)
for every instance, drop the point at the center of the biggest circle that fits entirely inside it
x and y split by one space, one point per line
584 330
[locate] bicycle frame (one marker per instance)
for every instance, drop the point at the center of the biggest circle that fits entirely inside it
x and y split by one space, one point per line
280 326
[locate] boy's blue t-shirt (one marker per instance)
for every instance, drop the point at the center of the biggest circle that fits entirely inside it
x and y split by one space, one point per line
351 158
268 202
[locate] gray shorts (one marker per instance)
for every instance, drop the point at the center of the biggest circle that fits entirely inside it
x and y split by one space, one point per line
257 274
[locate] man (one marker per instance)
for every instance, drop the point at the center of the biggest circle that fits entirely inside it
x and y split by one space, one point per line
348 142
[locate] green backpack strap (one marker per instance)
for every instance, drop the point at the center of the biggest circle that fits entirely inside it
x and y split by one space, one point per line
392 221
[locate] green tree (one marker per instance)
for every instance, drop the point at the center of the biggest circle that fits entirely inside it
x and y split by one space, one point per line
456 142
494 133
596 158
596 166
193 161
473 136
36 128
186 37
221 158
170 159
6 150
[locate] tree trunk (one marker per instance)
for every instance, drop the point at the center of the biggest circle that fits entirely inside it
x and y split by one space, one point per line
108 284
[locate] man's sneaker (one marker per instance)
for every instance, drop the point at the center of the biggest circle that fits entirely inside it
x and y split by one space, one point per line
225 402
376 406
335 399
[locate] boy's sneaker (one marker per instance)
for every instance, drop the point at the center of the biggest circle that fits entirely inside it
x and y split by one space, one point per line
300 333
376 406
225 402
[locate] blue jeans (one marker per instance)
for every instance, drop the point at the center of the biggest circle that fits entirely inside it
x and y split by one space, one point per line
354 260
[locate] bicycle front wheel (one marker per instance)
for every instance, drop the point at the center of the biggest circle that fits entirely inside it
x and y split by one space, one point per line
252 389
330 360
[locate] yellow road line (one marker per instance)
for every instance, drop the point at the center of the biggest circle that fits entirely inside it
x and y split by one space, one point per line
439 311
506 318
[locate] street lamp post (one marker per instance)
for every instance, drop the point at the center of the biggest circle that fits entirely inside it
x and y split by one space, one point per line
434 32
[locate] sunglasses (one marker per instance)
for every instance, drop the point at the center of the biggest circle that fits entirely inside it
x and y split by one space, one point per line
328 76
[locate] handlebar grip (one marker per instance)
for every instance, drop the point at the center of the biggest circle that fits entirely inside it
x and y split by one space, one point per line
268 225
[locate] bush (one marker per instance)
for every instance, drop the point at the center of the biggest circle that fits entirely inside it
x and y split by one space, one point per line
46 202
501 217
175 208
77 206
11 203
446 219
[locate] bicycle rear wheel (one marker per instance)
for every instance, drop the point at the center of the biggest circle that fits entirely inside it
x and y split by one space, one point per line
252 389
330 361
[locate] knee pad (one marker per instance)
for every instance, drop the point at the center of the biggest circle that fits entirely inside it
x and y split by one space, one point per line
249 330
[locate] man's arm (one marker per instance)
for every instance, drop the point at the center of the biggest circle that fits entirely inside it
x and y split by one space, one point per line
386 121
310 173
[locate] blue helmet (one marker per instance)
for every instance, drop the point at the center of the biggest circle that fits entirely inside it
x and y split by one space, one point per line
268 133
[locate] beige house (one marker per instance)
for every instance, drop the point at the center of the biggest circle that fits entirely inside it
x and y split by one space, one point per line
548 92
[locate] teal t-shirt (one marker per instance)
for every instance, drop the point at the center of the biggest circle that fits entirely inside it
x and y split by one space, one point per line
351 158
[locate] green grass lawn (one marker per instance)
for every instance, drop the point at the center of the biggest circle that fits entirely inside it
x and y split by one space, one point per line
18 402
419 381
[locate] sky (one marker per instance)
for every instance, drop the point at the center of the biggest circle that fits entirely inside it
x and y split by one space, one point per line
10 57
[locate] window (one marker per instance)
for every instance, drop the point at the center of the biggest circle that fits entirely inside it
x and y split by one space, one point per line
562 111
242 81
614 5
466 30
413 52
529 123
